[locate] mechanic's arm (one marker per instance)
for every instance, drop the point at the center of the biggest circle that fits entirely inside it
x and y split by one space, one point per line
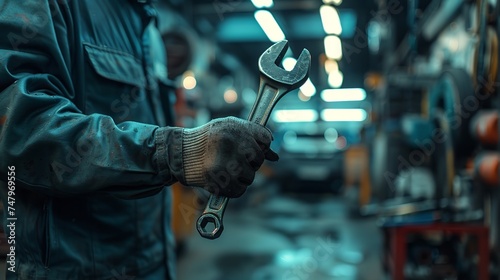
60 151
53 146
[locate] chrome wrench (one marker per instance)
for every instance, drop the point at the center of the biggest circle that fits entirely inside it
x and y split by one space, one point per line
275 82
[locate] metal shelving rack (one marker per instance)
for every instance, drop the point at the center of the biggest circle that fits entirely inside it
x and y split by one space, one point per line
495 229
435 18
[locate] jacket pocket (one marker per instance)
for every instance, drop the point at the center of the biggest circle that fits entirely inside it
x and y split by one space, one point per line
115 84
116 65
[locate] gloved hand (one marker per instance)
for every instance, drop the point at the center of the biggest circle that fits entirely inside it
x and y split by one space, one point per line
223 155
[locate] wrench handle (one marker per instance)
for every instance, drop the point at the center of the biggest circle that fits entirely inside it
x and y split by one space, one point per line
213 214
267 97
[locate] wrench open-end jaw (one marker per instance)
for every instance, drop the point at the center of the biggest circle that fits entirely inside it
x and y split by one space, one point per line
275 82
270 60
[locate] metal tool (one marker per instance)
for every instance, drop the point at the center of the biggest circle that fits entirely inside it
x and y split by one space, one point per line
275 82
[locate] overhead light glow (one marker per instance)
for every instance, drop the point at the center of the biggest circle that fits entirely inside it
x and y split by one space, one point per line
333 47
335 79
330 19
262 3
331 135
269 25
290 137
308 88
289 63
343 115
230 96
336 2
189 81
341 143
331 66
302 97
343 94
297 115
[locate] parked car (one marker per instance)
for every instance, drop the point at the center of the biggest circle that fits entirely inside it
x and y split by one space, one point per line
311 160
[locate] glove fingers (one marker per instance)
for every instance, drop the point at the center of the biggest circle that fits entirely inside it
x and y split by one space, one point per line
271 155
247 176
261 134
255 158
238 186
264 137
224 155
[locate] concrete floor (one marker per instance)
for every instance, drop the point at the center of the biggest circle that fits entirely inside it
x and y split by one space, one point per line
286 237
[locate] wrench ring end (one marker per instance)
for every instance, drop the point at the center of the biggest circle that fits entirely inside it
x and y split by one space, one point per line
209 218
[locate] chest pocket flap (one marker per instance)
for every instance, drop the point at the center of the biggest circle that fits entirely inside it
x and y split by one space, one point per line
115 65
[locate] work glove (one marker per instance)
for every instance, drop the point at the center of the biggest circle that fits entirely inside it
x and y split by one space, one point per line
223 155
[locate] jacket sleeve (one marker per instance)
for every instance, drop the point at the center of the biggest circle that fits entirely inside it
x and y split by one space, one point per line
55 148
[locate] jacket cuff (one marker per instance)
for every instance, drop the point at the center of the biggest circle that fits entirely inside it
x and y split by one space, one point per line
193 151
168 154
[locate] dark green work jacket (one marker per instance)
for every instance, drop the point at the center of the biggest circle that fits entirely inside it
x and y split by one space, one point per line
82 94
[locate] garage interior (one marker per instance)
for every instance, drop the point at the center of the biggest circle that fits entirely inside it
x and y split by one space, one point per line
389 152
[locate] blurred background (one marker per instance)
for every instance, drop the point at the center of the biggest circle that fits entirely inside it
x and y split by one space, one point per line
389 153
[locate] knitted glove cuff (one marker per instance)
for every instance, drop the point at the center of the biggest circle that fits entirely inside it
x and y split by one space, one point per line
194 145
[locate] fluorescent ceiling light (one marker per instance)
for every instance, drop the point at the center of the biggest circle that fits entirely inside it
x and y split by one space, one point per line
331 66
308 88
335 79
336 2
262 3
343 94
343 115
269 25
333 47
302 97
289 63
297 115
330 19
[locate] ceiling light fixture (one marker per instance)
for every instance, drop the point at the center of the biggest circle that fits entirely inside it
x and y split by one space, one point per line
331 66
343 115
336 2
269 25
308 88
336 79
297 115
333 47
330 19
262 3
302 97
343 94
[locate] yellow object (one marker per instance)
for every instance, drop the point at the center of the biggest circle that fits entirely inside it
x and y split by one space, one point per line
186 208
357 172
